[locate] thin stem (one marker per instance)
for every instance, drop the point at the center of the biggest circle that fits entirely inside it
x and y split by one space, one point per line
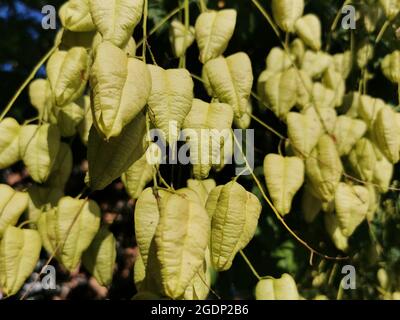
382 31
30 77
266 126
160 24
267 16
250 265
145 13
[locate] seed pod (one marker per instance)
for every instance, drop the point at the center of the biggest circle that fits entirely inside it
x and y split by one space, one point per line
327 117
324 168
214 29
308 28
109 160
19 254
42 199
99 258
347 132
180 255
281 92
383 172
342 63
87 122
369 108
334 81
70 229
75 16
170 100
387 134
244 121
202 188
40 96
116 20
316 63
283 288
147 215
9 142
68 117
390 7
364 54
140 173
121 87
310 205
278 60
68 73
180 38
12 205
206 124
284 177
62 168
235 214
304 131
231 80
304 89
351 204
286 13
391 66
362 159
323 97
38 147
297 48
335 233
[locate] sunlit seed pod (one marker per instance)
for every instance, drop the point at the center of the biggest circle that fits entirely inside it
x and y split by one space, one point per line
116 20
19 254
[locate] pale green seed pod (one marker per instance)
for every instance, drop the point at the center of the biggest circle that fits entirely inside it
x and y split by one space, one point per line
121 87
19 254
213 31
108 160
180 38
230 80
99 258
75 16
9 142
68 73
283 288
116 20
351 205
286 13
284 176
12 206
308 28
235 214
38 147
